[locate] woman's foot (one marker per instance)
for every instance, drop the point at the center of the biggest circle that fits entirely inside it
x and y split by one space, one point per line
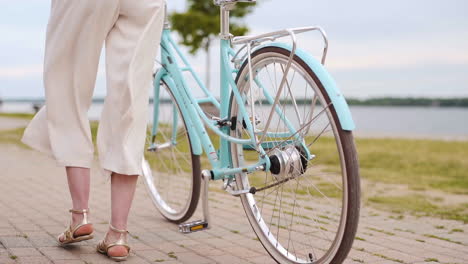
116 251
80 229
115 244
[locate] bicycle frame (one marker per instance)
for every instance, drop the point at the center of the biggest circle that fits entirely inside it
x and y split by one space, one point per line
194 116
172 74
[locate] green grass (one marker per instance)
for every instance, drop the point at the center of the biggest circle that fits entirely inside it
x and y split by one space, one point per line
381 231
399 217
13 136
404 230
420 164
443 238
388 258
420 206
17 115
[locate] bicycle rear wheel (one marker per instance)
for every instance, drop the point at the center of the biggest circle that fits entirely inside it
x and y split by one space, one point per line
307 210
171 170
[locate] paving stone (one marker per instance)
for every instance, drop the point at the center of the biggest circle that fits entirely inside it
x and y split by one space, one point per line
241 251
24 252
170 235
167 247
80 249
133 259
25 227
68 261
206 250
97 259
36 260
262 260
6 260
140 246
254 245
192 258
56 253
152 255
216 242
150 238
42 240
227 259
393 254
10 231
14 242
187 242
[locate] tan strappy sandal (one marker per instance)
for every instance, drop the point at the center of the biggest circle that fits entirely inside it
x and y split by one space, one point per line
103 248
69 234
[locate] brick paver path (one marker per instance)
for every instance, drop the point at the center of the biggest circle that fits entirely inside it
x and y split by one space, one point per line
34 203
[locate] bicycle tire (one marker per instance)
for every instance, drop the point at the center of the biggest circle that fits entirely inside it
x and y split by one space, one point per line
344 238
154 192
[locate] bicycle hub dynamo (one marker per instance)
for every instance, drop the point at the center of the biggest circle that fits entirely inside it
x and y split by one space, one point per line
288 162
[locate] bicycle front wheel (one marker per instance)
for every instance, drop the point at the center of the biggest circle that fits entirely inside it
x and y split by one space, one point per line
307 206
171 170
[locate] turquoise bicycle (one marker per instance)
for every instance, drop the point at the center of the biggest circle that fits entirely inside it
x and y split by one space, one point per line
285 146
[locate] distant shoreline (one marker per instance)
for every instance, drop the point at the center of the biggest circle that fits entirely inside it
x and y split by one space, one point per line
377 101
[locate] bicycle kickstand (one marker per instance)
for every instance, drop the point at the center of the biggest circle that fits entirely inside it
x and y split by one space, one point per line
199 225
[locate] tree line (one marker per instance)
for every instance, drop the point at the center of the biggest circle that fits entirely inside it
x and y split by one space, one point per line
410 101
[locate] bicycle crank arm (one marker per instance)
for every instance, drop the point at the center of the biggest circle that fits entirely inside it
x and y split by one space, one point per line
199 225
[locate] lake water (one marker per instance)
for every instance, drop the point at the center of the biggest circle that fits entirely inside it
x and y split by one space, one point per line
371 121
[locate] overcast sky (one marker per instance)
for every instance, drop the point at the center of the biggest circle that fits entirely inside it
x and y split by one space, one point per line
377 48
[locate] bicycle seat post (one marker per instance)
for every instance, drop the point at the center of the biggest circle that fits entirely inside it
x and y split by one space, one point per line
225 7
167 25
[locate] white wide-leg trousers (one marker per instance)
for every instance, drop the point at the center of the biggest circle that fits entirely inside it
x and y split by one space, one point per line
76 32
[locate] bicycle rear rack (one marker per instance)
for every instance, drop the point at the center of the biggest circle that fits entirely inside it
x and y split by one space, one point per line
272 36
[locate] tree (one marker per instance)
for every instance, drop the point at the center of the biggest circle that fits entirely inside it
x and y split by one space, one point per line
201 23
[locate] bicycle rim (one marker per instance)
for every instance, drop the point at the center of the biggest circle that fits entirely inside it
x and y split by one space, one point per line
312 216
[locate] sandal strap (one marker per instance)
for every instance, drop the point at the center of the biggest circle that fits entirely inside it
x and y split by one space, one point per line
79 211
118 243
117 230
83 222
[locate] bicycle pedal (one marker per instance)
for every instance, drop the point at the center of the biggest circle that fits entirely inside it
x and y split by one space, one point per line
193 226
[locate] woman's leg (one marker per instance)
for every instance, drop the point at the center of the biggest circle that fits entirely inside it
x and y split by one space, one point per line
122 192
78 184
131 47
